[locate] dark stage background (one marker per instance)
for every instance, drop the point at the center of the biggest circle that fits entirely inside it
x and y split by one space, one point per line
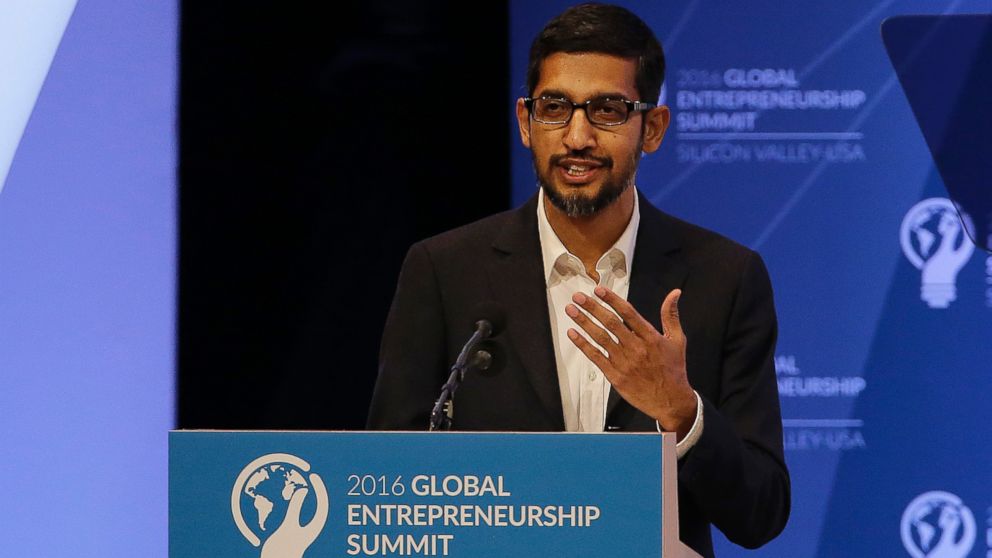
317 142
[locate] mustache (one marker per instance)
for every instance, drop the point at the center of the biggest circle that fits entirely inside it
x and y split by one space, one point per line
606 162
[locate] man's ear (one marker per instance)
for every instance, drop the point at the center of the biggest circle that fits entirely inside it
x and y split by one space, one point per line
523 122
655 123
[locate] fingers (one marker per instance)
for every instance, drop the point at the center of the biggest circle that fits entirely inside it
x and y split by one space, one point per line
610 321
670 321
592 329
592 353
631 317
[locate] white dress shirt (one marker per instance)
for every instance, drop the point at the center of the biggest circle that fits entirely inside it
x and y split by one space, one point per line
584 388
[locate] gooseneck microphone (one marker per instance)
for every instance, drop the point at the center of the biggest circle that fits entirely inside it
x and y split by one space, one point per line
489 322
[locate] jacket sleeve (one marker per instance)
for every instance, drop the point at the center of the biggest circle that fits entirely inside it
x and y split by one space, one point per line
736 472
412 353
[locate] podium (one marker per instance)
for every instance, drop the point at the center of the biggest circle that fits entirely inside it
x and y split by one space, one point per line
339 494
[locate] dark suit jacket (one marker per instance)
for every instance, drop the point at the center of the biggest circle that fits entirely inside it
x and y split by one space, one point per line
734 477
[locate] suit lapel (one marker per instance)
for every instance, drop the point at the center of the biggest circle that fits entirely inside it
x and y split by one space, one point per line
656 270
516 275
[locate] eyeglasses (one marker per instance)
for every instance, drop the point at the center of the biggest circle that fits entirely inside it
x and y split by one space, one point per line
601 112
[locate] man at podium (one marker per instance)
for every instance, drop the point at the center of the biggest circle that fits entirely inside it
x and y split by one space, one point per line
613 316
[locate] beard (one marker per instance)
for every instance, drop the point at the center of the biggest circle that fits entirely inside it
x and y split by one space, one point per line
572 201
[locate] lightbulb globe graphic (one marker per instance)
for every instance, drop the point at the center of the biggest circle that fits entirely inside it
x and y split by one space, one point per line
937 524
935 242
279 505
267 493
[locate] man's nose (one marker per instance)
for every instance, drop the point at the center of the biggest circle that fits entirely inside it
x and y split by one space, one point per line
581 134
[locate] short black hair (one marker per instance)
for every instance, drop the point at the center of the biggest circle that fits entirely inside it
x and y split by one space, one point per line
605 29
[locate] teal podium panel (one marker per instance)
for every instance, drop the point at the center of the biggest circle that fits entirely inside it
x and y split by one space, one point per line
339 494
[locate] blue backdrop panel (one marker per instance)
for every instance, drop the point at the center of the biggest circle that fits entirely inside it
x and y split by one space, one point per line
791 134
87 250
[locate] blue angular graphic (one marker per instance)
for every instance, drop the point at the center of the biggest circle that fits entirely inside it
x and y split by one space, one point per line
944 64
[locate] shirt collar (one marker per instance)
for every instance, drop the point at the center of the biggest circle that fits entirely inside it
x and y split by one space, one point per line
552 248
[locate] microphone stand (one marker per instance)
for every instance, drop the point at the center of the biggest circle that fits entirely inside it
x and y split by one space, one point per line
443 412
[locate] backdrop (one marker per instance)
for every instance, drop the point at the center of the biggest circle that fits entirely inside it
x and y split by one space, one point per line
791 134
87 273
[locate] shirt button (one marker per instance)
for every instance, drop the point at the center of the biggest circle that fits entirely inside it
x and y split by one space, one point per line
592 375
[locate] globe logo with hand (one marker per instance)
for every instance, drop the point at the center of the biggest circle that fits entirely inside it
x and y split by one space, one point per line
278 504
935 242
937 525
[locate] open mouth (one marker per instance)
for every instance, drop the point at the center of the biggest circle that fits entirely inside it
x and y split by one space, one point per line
577 174
579 171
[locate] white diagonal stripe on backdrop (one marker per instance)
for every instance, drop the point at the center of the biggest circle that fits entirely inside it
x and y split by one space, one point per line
30 32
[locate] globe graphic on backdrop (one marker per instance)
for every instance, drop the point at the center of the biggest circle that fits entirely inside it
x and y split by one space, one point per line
938 525
925 230
266 494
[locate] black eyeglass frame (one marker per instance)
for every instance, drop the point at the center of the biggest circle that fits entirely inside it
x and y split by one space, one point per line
632 107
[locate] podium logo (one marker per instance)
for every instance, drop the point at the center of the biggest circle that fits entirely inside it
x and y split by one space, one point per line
935 242
271 498
937 525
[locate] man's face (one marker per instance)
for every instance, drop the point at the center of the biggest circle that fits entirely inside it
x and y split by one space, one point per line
584 168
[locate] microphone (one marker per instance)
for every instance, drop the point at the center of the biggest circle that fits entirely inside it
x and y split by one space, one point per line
490 320
489 315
